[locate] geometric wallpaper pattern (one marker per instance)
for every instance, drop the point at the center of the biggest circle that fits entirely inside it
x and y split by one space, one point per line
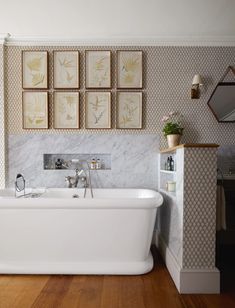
167 78
199 211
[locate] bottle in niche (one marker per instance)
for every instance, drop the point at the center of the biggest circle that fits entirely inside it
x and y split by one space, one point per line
98 164
168 165
58 164
172 164
93 164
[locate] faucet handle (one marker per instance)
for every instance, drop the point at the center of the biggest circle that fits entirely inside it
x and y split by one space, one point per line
79 171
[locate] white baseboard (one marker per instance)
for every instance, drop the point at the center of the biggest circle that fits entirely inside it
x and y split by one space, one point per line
188 281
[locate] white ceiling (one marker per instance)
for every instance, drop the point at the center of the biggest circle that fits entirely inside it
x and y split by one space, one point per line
120 18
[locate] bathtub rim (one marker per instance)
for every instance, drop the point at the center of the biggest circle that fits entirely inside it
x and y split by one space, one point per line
88 203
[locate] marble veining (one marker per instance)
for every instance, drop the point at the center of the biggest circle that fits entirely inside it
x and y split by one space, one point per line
134 158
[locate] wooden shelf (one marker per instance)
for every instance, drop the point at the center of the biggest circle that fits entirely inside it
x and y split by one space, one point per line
190 145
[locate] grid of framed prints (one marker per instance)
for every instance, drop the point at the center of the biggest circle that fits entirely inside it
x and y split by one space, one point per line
66 82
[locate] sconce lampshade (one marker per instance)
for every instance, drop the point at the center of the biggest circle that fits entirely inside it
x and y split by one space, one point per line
197 80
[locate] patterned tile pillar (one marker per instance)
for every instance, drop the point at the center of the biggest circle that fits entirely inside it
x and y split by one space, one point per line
2 114
199 214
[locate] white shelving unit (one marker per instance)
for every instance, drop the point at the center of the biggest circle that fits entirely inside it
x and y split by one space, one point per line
166 175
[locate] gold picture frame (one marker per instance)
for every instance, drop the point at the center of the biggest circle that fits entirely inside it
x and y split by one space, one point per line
66 67
34 69
129 69
35 110
98 110
98 69
66 110
129 110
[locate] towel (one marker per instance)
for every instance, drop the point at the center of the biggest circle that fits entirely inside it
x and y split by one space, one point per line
220 209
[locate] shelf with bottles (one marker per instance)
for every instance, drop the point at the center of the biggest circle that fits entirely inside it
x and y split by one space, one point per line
167 163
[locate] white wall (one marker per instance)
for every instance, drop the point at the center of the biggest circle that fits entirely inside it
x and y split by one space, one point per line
119 18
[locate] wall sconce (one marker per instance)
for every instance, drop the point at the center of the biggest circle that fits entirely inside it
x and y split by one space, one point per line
195 90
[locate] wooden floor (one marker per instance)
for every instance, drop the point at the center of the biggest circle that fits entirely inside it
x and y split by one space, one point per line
153 290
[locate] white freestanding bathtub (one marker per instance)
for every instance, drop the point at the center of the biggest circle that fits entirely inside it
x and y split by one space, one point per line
59 234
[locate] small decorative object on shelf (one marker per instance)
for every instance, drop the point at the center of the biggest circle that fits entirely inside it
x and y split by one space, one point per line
173 129
170 186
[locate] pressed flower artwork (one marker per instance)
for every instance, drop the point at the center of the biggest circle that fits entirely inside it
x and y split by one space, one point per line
98 110
129 70
98 69
66 110
35 110
34 69
129 110
66 69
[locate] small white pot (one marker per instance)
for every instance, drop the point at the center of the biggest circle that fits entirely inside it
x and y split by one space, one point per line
173 140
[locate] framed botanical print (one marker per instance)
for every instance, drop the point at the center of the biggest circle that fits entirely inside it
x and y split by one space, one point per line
129 110
98 109
129 69
66 69
98 69
35 110
66 110
34 69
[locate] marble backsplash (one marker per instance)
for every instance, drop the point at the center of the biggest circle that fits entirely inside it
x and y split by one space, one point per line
133 157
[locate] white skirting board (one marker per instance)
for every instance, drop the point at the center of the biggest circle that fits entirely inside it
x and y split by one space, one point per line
188 281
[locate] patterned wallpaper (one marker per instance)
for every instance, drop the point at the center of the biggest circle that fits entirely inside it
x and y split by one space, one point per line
199 213
167 73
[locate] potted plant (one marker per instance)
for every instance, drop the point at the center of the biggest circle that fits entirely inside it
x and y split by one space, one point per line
173 129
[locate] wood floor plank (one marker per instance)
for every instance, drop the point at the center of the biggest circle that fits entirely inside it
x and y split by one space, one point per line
53 292
72 297
159 289
90 295
112 286
20 291
131 294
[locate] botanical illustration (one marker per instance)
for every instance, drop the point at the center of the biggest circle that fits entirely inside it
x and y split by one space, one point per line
34 70
66 69
98 113
130 69
98 69
66 110
129 110
35 110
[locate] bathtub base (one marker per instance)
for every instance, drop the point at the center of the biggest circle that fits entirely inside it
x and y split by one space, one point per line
79 268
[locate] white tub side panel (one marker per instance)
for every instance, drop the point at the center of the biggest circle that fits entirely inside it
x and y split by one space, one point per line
61 236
